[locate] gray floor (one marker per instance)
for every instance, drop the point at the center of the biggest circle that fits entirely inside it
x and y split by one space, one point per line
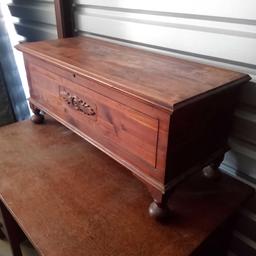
6 251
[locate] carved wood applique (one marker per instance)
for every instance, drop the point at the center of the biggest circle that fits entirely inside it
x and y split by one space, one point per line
76 102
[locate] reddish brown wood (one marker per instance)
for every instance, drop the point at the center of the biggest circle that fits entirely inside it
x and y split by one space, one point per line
159 116
158 79
64 19
121 130
70 198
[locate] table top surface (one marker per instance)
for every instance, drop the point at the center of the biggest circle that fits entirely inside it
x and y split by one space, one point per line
162 80
72 199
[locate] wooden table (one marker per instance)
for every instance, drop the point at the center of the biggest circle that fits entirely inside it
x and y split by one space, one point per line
67 197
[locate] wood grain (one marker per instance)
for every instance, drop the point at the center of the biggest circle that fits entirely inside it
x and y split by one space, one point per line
159 79
72 199
115 125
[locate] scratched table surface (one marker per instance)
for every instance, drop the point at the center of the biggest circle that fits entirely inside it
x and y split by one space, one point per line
71 199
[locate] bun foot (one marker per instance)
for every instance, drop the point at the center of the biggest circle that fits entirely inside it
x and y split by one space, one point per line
37 118
212 173
158 212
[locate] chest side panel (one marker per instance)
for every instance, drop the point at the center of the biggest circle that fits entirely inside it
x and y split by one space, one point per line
199 130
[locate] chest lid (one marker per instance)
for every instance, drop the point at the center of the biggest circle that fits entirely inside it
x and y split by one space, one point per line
161 80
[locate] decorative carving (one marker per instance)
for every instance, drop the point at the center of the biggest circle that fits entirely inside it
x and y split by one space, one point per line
76 102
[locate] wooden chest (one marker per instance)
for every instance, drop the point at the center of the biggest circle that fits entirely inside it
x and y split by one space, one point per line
159 116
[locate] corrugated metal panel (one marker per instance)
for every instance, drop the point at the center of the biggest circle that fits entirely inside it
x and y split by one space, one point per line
221 33
11 77
6 113
243 241
36 19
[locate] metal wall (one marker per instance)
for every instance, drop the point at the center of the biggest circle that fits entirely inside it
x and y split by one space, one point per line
11 91
221 33
6 112
35 19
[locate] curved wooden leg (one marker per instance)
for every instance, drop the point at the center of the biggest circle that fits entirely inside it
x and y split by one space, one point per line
38 117
212 170
158 209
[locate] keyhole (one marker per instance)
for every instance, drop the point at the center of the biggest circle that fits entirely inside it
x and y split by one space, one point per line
74 75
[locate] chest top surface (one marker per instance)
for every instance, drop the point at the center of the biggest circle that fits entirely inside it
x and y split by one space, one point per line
162 80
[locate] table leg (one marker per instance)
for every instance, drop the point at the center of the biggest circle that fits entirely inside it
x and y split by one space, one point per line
2 235
12 229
